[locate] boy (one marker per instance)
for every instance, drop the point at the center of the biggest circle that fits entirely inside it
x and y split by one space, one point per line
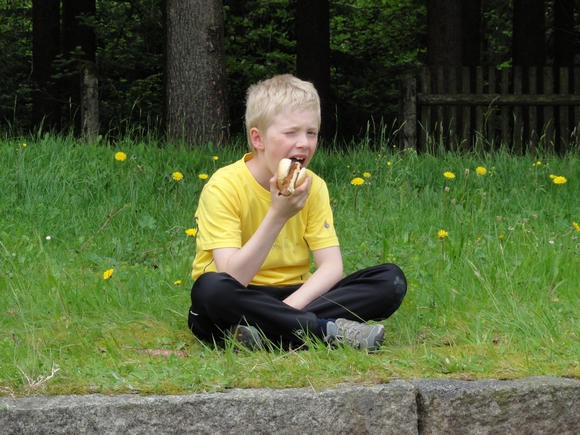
252 264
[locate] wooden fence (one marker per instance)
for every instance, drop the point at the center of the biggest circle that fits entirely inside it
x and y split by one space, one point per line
465 108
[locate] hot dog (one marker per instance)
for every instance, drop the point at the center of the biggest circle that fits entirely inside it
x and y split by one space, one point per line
291 174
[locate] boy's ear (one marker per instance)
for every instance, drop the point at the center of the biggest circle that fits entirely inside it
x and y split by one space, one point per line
256 138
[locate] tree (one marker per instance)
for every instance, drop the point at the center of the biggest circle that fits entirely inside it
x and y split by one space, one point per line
454 32
45 48
195 104
529 33
472 32
313 53
78 61
444 32
564 36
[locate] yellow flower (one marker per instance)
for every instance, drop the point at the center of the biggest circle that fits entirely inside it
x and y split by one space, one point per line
177 282
552 176
389 163
449 175
177 176
480 170
501 236
367 174
24 145
559 180
215 158
576 226
357 181
538 163
203 176
442 234
120 156
191 232
108 273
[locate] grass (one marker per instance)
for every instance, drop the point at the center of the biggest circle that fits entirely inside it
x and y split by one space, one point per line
496 298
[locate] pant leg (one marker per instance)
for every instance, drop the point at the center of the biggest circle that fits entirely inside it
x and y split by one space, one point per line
219 302
374 293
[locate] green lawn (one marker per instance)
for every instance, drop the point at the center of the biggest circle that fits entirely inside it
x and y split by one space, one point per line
496 297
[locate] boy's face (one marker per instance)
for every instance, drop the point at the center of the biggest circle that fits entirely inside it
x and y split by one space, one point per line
292 134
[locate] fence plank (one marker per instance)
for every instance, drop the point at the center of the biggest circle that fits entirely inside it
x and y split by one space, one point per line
576 125
505 113
517 112
549 110
478 109
426 111
466 112
409 108
491 112
564 111
532 110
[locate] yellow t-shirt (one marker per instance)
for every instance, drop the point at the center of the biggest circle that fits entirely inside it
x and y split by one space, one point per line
231 207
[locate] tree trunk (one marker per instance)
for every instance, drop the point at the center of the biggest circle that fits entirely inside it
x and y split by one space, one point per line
471 29
45 47
564 35
78 46
529 33
313 54
444 32
89 102
196 107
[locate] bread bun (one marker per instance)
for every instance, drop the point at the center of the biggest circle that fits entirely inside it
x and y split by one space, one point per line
291 174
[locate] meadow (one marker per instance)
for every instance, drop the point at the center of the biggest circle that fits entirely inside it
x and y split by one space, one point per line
96 245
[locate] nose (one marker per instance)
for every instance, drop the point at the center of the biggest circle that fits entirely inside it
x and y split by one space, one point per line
302 141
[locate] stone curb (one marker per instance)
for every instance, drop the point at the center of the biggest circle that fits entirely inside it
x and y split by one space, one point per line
436 406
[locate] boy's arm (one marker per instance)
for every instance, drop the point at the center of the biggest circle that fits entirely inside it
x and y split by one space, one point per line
328 272
245 262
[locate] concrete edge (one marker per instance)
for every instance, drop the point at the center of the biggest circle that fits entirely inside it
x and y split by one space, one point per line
529 405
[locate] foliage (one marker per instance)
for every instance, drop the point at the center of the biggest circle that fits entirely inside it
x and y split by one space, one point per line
16 49
96 259
371 43
130 63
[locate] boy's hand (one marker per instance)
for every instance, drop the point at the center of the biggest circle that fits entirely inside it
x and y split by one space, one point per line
288 206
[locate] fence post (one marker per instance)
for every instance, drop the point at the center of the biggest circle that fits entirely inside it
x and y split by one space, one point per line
409 111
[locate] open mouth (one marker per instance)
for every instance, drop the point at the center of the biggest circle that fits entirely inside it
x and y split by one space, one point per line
300 160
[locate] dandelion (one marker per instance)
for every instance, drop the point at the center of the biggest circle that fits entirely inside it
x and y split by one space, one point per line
357 181
215 158
203 176
120 156
367 174
480 170
576 226
501 236
442 234
552 176
177 282
389 163
107 274
24 145
191 232
449 175
177 176
559 179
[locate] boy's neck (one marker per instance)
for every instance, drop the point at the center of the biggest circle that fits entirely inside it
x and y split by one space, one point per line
257 171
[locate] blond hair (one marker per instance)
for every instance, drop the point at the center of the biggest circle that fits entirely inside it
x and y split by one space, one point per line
270 97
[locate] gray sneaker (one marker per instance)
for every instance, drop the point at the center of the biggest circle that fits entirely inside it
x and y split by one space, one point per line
248 337
355 334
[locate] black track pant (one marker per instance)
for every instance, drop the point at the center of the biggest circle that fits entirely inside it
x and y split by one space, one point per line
219 302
